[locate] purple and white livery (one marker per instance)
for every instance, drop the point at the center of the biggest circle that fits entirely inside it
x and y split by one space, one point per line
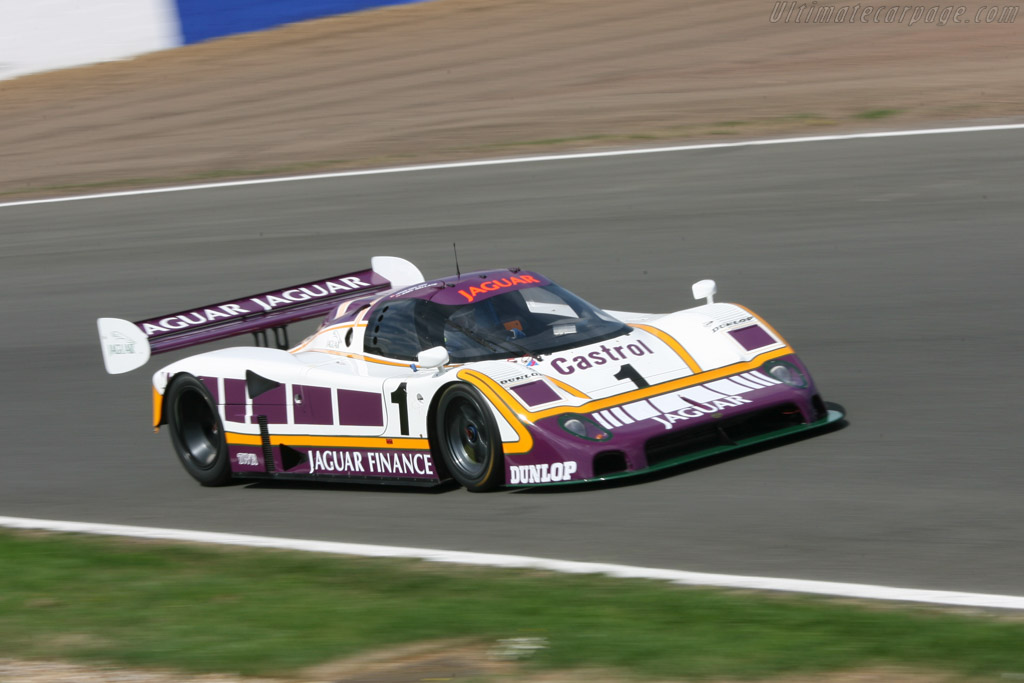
490 378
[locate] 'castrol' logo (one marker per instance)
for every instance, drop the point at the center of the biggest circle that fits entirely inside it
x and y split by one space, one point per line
605 354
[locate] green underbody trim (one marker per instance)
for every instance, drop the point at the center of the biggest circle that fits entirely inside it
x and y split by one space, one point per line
832 417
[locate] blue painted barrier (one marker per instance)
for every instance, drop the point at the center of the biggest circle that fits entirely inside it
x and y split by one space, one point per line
205 19
38 35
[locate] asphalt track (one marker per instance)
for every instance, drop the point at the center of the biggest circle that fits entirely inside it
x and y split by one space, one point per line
892 265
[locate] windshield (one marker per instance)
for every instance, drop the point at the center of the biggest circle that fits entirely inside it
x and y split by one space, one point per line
524 322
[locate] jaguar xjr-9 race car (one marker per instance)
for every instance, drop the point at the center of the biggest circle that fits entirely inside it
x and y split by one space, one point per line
493 378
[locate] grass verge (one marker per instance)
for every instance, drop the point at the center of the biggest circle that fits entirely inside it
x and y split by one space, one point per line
262 612
872 114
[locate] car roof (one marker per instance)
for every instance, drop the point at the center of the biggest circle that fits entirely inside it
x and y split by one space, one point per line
449 291
471 287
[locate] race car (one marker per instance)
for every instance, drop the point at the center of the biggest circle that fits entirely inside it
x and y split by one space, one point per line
492 378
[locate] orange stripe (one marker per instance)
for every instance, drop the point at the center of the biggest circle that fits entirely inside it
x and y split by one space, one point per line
316 334
573 391
510 408
656 389
763 323
239 439
671 342
503 401
359 356
158 409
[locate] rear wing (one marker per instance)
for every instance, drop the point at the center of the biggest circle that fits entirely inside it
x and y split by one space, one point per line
127 345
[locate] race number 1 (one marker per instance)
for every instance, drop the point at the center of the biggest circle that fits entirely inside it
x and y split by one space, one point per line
400 396
627 371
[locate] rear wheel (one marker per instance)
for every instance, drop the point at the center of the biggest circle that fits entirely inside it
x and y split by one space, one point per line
468 438
197 432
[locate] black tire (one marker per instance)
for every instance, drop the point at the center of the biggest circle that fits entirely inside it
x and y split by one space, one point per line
468 438
197 432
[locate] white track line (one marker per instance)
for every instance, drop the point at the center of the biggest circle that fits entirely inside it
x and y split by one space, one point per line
524 160
847 590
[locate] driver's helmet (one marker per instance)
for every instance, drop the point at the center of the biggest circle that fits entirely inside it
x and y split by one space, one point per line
502 315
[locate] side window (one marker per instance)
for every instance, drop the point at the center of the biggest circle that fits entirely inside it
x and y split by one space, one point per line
391 330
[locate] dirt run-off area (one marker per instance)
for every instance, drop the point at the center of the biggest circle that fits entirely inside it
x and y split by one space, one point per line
456 79
411 667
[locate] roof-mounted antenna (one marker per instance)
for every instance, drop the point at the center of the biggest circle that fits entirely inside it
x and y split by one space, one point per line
458 272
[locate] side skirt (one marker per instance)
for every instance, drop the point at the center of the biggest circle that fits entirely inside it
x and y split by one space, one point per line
375 481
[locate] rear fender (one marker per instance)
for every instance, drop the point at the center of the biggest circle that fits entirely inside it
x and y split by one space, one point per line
280 365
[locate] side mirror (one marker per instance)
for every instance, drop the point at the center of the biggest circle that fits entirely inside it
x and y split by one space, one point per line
432 358
705 289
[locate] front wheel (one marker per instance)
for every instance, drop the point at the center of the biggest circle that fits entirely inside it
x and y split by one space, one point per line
468 438
197 432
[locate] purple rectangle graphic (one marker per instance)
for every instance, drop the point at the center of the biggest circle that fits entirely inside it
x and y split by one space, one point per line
315 407
535 393
360 408
272 405
752 337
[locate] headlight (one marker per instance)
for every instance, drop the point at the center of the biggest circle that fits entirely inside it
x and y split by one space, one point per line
584 427
787 373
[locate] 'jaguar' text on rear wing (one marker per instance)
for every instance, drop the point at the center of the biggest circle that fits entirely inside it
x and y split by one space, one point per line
127 345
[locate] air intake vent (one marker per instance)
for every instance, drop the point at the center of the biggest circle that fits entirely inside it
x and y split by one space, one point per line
291 458
256 384
820 411
609 462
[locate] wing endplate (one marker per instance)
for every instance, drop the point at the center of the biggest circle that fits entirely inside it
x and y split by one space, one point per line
124 345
